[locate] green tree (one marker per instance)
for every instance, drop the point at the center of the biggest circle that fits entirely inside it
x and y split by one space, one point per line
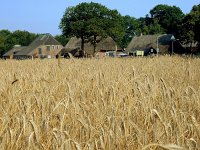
189 30
9 39
62 39
23 38
4 34
150 26
168 17
91 19
131 29
196 13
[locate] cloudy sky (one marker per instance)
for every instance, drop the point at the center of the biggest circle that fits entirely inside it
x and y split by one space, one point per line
43 16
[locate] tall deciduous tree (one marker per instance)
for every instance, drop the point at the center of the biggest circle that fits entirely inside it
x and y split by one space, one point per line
168 17
91 19
150 26
4 34
189 30
131 29
196 13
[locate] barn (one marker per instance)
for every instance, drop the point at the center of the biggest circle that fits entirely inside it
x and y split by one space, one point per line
10 54
103 46
155 44
44 46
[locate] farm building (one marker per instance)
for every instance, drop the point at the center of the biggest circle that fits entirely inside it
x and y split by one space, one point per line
13 51
151 44
74 47
44 46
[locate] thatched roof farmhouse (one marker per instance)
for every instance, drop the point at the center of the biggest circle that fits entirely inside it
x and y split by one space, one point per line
165 43
44 46
13 51
74 45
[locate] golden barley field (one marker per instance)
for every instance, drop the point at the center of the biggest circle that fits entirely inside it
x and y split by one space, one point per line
97 104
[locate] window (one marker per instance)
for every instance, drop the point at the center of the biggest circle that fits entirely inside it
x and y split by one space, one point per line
48 48
39 51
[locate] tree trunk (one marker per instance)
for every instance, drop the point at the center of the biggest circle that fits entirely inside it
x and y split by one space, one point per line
95 44
82 45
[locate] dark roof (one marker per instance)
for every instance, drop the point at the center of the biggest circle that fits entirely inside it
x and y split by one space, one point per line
43 39
105 44
147 41
14 50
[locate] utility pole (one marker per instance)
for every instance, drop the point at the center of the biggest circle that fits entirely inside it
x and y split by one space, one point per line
157 49
173 39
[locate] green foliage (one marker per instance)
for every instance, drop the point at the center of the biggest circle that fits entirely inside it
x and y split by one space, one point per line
131 29
189 30
168 17
4 34
196 14
114 26
62 39
9 39
91 19
23 37
150 26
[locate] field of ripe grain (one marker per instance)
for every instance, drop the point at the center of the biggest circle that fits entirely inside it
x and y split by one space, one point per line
133 103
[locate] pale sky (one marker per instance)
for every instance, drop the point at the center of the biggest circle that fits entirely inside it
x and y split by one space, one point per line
43 16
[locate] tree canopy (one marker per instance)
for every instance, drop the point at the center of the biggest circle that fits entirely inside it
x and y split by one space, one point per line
62 39
9 39
4 34
91 20
168 17
150 26
131 29
189 29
